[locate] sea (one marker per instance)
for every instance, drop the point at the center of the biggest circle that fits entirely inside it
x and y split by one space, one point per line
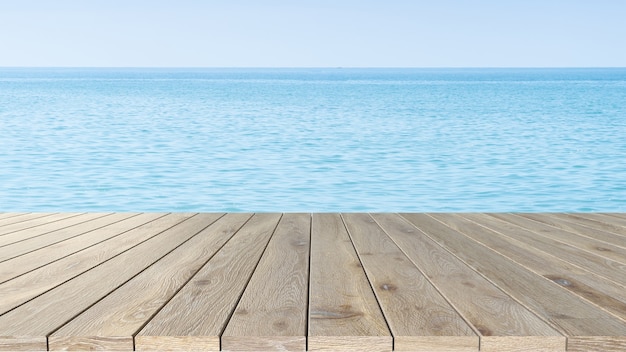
312 140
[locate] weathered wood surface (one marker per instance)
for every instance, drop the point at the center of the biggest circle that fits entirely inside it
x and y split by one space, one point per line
199 312
604 293
597 222
11 218
416 312
597 264
41 226
586 243
28 220
565 223
420 282
123 312
272 311
545 297
36 258
23 288
73 232
342 305
499 319
42 315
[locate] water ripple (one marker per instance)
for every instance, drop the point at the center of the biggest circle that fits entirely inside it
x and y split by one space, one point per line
312 140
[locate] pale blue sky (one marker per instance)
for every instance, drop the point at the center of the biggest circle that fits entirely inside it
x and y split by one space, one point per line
313 33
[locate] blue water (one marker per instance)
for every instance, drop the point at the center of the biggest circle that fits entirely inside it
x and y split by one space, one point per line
312 140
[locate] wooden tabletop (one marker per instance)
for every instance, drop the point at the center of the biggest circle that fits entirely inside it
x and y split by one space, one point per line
321 281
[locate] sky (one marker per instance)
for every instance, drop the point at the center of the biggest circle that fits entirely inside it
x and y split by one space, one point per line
313 33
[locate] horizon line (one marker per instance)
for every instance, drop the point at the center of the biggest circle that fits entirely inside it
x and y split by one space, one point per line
314 67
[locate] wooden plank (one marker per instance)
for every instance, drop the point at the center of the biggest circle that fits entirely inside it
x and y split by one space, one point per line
26 343
592 225
591 245
617 218
604 293
600 221
42 230
33 224
595 343
16 249
343 311
196 316
28 286
598 265
12 218
69 266
46 313
568 312
418 316
598 237
121 314
621 215
10 215
271 314
502 323
542 274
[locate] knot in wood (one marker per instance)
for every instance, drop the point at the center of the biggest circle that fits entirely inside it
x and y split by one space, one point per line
298 243
280 325
388 287
483 330
562 282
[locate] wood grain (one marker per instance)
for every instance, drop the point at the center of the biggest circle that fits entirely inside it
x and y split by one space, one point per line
34 221
376 281
577 280
120 315
568 312
617 220
621 215
10 215
197 315
349 343
343 311
23 343
16 249
520 344
596 343
490 311
597 221
564 223
604 267
607 244
414 309
271 314
26 231
19 265
11 218
46 313
177 343
21 289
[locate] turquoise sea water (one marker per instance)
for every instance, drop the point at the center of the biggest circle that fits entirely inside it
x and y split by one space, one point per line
312 139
